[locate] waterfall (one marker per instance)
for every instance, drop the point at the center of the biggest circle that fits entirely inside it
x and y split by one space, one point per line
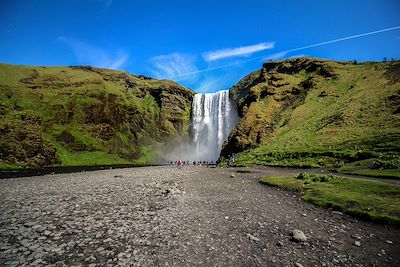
213 118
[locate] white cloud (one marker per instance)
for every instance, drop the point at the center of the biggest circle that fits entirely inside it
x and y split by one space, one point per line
242 51
275 56
174 66
95 56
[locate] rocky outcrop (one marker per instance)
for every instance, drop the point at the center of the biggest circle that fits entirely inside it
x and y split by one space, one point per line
308 105
87 116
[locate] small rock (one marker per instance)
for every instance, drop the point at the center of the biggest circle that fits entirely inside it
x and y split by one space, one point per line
357 243
279 244
39 255
305 215
91 258
356 236
336 212
55 249
252 238
298 236
389 241
298 264
60 264
47 233
233 175
226 218
121 255
36 262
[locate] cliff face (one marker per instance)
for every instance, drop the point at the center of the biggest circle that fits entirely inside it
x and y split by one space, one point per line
86 116
308 107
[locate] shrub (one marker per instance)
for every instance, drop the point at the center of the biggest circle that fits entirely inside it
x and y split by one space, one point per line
303 176
387 164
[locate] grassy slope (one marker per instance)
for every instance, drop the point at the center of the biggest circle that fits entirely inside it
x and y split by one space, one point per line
311 113
364 199
86 116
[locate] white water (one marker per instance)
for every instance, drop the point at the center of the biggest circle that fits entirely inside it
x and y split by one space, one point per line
213 118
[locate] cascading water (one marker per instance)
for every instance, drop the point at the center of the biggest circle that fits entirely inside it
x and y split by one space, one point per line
213 118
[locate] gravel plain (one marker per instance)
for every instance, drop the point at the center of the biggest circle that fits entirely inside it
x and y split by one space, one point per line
169 216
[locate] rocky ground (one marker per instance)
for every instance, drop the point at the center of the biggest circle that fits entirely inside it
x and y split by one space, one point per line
167 216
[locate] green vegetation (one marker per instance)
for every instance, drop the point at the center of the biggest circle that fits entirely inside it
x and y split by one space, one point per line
73 116
367 200
373 167
390 173
243 170
312 113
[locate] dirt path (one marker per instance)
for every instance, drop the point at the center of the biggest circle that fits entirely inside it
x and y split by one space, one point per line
164 216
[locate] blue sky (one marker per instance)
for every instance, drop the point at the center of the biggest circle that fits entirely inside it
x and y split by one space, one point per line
167 39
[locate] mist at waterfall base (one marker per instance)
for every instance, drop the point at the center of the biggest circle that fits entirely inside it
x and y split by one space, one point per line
213 117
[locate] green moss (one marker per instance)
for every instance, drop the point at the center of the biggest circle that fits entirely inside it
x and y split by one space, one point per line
369 200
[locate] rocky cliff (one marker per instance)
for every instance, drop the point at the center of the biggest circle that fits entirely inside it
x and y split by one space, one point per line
312 112
86 116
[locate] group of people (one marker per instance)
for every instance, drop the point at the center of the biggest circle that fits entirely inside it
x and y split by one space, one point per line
180 163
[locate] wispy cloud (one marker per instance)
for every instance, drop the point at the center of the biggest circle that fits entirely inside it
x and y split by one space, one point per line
242 51
275 56
172 66
95 56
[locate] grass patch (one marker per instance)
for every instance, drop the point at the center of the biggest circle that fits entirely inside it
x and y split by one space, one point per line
287 183
373 167
5 166
373 201
389 173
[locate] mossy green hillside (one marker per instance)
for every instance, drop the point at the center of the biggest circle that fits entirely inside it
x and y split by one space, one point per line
307 112
367 200
86 116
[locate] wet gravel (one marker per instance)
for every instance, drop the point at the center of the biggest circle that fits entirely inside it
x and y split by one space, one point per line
166 216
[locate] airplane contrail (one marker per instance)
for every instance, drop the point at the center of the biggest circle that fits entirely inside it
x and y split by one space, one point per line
286 51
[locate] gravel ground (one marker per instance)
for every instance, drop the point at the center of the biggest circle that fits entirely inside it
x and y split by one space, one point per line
154 216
